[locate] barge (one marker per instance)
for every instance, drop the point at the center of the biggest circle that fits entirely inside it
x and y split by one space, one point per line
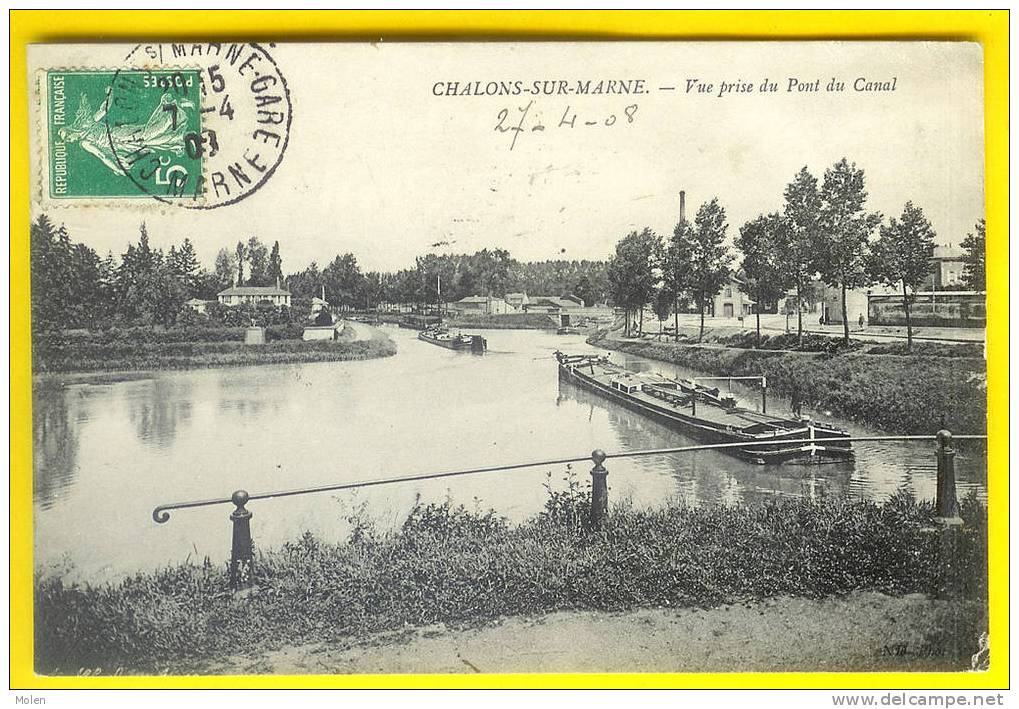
705 414
439 336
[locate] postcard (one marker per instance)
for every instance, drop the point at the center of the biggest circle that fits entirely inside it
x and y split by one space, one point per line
398 358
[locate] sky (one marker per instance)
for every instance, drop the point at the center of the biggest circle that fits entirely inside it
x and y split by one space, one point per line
379 166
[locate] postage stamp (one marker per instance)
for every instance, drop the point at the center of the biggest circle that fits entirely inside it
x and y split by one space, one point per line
198 126
124 133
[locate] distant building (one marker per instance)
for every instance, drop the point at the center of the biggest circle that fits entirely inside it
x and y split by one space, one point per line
946 269
321 332
857 303
253 295
831 306
197 304
731 301
318 304
930 309
481 305
516 301
552 304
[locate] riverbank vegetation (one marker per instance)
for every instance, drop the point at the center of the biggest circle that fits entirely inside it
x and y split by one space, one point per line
897 393
447 564
186 348
830 345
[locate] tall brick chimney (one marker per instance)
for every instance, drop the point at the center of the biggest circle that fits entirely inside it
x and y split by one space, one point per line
682 207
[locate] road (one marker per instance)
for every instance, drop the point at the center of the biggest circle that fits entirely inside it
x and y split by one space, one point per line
773 324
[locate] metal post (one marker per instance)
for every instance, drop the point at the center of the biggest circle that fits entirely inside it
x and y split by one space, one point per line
946 500
948 523
764 395
599 491
242 562
693 402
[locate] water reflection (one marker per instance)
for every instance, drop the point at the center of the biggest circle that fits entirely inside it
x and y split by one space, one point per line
709 476
157 408
54 446
881 467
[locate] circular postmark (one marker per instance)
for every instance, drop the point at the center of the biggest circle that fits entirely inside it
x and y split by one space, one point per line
199 126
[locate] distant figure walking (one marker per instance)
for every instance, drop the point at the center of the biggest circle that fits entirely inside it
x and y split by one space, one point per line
820 320
796 402
861 321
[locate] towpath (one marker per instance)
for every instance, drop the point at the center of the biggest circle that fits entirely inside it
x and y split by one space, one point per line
866 631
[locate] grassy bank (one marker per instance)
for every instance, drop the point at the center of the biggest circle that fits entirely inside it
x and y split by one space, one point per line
510 321
453 566
151 349
905 394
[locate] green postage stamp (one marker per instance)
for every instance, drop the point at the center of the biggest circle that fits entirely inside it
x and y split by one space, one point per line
128 133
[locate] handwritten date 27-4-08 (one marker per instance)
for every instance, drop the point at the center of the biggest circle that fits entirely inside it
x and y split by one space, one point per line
527 119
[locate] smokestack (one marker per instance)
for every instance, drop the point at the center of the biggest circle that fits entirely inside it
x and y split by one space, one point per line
682 207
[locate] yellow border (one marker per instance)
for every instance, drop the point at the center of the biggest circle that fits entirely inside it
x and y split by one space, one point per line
990 28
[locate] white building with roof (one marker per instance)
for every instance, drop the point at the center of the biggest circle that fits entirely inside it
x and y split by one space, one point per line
253 295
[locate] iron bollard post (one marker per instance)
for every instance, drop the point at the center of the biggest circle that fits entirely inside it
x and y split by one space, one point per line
949 523
945 504
599 491
242 557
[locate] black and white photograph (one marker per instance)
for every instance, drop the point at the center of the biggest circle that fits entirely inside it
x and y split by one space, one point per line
402 358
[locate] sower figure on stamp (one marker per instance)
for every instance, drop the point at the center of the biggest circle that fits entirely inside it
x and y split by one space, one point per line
162 131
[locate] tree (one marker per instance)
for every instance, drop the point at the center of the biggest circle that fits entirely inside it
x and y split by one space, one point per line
258 262
559 277
137 265
974 246
371 290
708 256
486 271
342 278
187 266
144 256
585 291
160 295
663 304
50 266
764 242
274 272
241 254
306 284
631 272
226 268
676 261
902 255
844 230
802 211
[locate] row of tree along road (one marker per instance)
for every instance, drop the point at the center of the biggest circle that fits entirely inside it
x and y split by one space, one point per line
822 231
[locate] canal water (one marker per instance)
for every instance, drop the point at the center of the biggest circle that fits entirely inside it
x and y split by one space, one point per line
105 454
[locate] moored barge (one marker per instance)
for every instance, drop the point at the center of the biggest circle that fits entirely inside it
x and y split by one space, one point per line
706 414
439 336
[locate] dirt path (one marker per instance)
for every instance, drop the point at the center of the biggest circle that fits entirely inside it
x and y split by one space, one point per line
864 632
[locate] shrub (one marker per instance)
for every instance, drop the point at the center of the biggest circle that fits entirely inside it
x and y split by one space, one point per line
117 353
971 350
452 565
